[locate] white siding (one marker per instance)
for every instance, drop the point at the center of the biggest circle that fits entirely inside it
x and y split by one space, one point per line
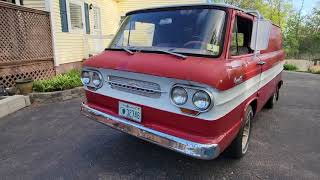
69 46
35 4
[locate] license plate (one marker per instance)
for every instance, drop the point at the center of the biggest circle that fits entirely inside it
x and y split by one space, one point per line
130 111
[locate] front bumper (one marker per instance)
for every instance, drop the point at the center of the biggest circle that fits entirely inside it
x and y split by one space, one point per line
193 149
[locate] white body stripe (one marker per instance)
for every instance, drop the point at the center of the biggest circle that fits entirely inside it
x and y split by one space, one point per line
224 101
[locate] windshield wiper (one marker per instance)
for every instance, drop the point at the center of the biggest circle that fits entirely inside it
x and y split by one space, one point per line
127 50
170 52
122 48
157 50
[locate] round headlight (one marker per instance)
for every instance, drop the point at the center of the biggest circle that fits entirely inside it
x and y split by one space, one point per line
179 95
201 100
85 77
96 79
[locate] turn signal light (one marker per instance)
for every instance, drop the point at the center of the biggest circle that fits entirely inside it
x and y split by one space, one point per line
189 111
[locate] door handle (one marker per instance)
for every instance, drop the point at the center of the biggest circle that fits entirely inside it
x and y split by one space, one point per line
261 63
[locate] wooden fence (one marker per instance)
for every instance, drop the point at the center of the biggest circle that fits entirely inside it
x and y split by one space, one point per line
25 44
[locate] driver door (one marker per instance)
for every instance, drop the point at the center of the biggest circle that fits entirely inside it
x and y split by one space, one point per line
241 57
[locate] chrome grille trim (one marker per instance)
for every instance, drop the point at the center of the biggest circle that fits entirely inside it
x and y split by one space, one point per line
134 86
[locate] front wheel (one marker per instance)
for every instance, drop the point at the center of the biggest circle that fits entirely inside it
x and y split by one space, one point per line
239 145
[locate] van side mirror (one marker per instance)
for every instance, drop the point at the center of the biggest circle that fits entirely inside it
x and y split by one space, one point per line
260 34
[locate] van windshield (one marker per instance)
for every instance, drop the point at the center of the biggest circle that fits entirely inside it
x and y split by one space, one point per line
190 31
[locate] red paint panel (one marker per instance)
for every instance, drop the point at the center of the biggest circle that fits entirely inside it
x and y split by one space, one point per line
275 41
198 69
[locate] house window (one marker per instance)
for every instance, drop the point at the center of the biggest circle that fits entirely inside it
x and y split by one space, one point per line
96 16
76 20
241 37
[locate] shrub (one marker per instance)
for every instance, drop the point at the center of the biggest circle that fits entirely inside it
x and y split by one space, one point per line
314 69
290 67
60 82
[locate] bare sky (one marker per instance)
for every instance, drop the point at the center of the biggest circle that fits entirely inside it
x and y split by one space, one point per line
308 5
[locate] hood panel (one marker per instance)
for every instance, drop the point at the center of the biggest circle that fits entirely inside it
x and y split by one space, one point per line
199 69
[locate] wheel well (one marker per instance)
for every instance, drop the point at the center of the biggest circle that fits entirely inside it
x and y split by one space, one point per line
254 105
280 84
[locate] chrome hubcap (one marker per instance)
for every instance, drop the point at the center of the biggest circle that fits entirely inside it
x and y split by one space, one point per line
246 133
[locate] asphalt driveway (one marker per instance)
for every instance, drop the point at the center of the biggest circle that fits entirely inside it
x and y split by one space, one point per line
55 142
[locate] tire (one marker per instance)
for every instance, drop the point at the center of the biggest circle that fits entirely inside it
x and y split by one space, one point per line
239 146
273 99
277 93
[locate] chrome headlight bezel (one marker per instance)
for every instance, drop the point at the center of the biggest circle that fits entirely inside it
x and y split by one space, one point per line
85 80
97 83
92 75
203 93
191 91
173 99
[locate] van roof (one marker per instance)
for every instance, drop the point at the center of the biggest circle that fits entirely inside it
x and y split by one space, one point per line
200 5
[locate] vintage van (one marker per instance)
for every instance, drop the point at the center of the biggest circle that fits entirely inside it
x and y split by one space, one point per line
189 78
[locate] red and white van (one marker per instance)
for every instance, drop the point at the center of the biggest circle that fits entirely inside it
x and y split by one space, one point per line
189 78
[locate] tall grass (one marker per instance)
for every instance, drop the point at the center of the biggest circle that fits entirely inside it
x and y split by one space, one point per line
314 69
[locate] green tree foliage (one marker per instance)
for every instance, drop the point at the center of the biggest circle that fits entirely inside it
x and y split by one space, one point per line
275 10
309 39
301 32
302 35
291 33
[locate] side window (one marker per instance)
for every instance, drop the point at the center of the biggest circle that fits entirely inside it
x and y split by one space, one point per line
241 37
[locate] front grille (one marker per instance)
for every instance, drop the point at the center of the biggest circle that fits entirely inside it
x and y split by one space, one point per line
134 86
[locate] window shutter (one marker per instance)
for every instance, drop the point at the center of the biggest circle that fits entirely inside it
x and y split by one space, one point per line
64 16
86 14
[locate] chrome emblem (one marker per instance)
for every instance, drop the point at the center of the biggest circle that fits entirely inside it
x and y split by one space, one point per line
238 80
